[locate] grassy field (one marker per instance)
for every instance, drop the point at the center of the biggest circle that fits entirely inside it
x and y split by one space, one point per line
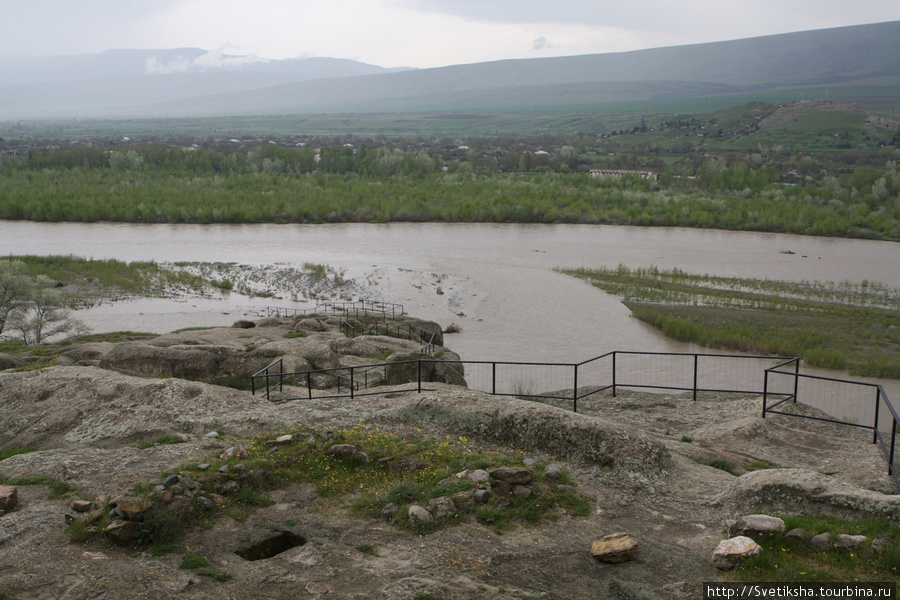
834 326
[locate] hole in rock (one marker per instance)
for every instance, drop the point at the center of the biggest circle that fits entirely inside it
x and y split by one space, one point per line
272 546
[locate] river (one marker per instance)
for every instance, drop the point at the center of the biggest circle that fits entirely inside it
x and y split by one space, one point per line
495 280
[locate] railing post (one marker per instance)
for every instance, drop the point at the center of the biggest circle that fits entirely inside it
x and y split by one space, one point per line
696 359
893 439
796 379
575 391
419 376
765 391
309 384
252 385
352 386
877 404
614 373
493 379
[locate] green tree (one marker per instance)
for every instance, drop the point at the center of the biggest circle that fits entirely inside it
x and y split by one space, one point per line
46 315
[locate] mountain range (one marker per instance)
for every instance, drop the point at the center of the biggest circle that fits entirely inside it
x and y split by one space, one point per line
861 63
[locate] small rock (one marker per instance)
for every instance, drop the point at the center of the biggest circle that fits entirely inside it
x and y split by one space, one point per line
756 525
167 497
230 487
418 515
133 509
123 533
553 471
284 439
388 512
479 476
615 548
521 491
316 589
822 541
565 488
513 475
530 462
880 545
797 538
9 497
203 467
733 551
441 508
482 496
235 451
82 506
171 480
205 503
210 435
850 541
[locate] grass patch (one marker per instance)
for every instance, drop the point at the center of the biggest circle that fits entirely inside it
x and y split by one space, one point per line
58 489
687 439
757 465
780 563
4 454
716 463
215 575
193 561
162 440
296 334
840 326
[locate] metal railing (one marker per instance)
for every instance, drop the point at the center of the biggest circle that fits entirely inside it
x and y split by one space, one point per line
780 384
842 401
387 310
403 331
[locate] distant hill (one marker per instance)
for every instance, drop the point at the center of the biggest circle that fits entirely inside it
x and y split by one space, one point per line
189 82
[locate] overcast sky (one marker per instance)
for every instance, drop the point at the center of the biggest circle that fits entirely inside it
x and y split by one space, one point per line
416 33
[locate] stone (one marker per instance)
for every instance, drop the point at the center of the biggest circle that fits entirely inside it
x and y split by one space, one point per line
756 525
205 503
479 476
733 551
850 542
283 439
513 475
553 471
389 511
171 480
203 466
615 548
211 435
822 541
235 451
82 506
881 545
342 450
243 324
9 497
441 508
419 515
123 533
562 487
133 509
482 496
521 491
797 538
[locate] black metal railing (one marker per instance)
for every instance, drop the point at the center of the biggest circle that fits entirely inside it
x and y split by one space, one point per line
403 331
387 310
780 384
842 401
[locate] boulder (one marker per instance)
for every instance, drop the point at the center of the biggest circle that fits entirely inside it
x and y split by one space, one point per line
822 541
8 497
419 515
123 533
8 361
615 548
756 526
441 508
733 551
133 509
851 542
797 538
513 475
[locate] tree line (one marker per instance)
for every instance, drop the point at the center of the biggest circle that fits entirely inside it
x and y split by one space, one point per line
240 183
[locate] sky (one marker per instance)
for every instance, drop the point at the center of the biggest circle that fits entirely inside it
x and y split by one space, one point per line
411 33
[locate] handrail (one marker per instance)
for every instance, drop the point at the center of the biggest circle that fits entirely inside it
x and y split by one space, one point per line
364 307
424 335
586 381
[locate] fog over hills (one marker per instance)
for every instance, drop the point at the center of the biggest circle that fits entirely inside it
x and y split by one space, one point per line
194 82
